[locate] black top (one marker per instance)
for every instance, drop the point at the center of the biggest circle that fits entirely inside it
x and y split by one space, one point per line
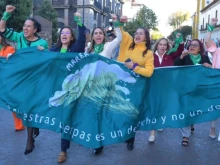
187 61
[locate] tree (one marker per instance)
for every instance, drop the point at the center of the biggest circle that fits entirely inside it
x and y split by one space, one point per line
22 12
155 35
144 18
186 31
48 12
176 19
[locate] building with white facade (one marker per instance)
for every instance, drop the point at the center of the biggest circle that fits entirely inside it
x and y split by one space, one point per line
206 10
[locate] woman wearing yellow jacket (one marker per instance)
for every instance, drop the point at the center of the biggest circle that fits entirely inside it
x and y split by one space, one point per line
137 56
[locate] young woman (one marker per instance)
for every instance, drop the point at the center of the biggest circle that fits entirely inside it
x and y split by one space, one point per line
215 52
135 51
100 46
98 41
7 50
164 56
193 56
27 38
67 42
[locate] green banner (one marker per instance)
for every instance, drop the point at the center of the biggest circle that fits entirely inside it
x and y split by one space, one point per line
95 101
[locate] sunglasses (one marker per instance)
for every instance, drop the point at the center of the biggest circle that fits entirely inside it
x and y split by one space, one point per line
193 45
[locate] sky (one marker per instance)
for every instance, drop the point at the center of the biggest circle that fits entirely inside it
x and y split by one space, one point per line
163 8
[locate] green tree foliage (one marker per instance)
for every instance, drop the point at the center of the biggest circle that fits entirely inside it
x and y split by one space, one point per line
22 12
48 12
155 35
144 18
176 19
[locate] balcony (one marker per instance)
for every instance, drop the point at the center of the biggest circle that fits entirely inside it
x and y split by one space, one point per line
97 5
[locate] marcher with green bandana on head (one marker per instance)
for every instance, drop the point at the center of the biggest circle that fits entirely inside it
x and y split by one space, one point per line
27 38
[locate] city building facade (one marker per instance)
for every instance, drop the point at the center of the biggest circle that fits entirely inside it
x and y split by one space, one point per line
206 10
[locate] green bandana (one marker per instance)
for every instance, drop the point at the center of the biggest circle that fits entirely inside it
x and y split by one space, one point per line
177 43
98 48
118 24
78 20
6 16
210 28
195 58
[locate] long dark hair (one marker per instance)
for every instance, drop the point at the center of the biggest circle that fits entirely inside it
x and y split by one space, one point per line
93 42
37 25
4 41
201 46
147 36
59 43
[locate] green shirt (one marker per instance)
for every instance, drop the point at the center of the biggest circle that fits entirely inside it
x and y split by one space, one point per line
63 50
21 41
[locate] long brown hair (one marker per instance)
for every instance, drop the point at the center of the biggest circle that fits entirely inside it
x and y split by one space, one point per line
147 36
93 42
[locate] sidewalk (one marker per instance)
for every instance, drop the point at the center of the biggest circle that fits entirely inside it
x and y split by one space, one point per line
167 149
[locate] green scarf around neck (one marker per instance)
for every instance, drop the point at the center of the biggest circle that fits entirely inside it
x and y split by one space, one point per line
1 47
195 58
98 48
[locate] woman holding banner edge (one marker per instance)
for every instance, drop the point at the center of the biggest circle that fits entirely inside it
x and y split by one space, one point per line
27 38
215 52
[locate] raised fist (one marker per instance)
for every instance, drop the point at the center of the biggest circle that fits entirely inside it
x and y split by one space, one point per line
9 8
213 21
77 14
124 19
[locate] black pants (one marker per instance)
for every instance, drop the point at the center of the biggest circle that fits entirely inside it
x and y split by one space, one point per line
131 140
65 144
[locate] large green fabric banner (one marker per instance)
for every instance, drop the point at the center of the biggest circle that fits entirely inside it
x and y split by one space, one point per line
96 101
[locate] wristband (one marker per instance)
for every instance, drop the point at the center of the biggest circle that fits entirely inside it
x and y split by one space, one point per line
118 24
210 28
134 65
6 16
78 20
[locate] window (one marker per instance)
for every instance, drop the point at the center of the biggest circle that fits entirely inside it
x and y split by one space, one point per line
208 19
203 23
216 14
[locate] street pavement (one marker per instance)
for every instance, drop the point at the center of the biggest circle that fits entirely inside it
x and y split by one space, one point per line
167 149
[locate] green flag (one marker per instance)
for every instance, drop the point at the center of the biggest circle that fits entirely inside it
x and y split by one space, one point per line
95 101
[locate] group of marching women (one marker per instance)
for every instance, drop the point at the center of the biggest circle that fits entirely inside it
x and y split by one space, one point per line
134 52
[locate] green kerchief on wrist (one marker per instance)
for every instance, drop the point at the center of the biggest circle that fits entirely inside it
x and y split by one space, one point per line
118 24
6 16
210 28
78 20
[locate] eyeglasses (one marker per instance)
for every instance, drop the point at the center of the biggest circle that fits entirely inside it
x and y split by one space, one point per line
67 33
193 45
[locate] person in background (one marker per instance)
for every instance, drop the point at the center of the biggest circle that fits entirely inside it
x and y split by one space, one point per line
215 52
7 50
25 39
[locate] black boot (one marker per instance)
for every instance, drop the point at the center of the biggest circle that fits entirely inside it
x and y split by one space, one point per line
98 151
130 145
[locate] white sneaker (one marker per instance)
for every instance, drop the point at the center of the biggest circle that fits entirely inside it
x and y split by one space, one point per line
159 130
151 138
219 137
